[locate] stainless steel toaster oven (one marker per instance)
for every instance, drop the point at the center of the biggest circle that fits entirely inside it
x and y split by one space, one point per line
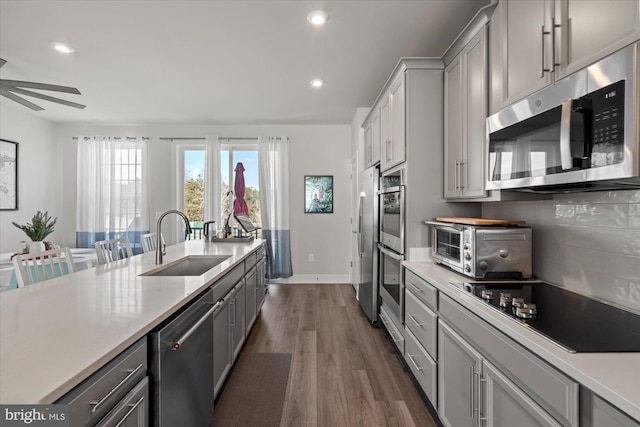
483 252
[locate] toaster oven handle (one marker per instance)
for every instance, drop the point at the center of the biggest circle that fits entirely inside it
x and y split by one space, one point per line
458 227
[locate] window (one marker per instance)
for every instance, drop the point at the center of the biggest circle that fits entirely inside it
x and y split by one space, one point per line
112 190
230 156
194 184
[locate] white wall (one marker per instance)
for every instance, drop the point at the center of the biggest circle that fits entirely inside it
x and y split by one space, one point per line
39 174
315 150
587 242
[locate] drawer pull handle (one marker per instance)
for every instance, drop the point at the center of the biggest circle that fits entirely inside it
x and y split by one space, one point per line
178 343
419 368
415 287
415 320
393 337
132 407
131 373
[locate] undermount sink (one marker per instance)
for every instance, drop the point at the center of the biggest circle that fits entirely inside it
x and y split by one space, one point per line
193 265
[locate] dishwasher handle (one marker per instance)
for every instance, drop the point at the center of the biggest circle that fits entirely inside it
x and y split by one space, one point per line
176 345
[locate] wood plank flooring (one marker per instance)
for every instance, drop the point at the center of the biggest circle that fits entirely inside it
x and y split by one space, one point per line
344 372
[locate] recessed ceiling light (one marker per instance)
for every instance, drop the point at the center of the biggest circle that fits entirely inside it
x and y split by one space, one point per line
316 83
317 17
61 47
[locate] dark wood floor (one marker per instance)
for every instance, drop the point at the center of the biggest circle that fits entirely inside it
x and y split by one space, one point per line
344 372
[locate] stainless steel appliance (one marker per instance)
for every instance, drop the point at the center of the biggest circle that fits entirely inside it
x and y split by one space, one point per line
367 236
483 252
392 213
391 283
391 246
574 322
182 367
578 134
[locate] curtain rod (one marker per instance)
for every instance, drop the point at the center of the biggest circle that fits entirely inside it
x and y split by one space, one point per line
199 138
128 138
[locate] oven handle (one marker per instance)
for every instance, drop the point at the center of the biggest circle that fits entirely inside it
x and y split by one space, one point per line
390 253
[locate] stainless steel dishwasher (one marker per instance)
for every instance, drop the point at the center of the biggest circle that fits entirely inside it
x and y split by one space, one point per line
182 367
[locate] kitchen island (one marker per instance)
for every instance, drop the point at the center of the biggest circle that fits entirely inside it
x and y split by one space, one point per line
55 334
614 377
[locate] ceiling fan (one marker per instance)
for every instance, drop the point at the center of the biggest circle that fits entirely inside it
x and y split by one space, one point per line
9 89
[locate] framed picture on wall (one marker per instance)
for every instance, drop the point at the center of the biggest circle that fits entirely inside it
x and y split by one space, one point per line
8 175
318 194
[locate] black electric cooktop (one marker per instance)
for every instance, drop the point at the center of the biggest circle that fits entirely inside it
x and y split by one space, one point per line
575 322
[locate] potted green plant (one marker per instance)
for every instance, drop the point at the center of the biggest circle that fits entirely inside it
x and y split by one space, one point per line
40 227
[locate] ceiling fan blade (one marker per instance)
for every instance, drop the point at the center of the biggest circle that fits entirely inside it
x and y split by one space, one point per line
46 97
8 84
19 100
2 62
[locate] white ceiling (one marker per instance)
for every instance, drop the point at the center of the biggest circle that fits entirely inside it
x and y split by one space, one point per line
219 62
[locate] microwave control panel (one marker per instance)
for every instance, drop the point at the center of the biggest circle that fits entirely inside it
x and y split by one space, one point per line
608 125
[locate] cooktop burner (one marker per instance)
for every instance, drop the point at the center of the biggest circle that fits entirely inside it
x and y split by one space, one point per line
575 322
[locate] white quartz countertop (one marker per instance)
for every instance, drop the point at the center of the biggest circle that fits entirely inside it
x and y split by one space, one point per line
56 333
613 376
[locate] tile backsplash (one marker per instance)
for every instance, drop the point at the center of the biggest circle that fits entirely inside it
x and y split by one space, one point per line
586 242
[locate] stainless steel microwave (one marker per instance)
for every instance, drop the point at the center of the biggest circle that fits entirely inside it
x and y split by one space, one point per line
578 134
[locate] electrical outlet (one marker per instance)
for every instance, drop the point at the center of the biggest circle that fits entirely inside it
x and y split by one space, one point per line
312 257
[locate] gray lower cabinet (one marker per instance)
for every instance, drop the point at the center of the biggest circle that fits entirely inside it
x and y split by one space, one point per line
221 344
458 365
119 391
132 411
597 412
473 391
539 393
250 297
504 402
261 287
237 319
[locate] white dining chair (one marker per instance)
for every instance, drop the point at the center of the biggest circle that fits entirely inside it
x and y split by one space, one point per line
113 250
148 242
36 267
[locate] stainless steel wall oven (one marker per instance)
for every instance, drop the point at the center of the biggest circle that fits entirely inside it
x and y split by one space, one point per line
391 245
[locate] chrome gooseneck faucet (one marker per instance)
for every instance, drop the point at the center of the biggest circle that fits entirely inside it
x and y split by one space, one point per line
160 247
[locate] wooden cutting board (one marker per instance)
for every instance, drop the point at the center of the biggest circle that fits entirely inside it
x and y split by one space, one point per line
480 221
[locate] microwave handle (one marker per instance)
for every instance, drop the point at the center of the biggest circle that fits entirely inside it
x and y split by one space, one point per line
565 135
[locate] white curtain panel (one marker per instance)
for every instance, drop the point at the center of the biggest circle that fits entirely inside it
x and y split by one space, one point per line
112 190
212 209
273 160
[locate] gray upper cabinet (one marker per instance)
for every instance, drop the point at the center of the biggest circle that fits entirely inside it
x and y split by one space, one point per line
466 98
392 125
372 139
536 42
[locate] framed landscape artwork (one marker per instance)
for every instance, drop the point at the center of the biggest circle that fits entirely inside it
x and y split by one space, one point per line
8 175
318 194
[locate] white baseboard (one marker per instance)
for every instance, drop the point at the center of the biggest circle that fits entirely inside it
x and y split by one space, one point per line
315 278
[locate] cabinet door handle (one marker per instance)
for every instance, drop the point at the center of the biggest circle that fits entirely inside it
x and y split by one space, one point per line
131 373
410 356
554 27
478 398
132 407
232 323
542 67
389 158
460 164
393 337
481 418
472 392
